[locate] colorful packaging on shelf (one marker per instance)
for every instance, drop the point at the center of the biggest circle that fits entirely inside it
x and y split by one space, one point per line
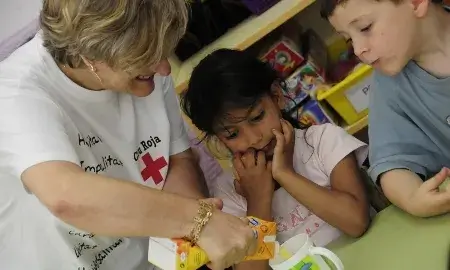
292 91
309 79
284 57
313 113
303 82
178 254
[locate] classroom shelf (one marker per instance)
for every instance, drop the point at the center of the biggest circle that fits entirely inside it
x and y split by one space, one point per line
358 125
240 37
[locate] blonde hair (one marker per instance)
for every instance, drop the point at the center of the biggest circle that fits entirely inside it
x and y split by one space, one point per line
125 34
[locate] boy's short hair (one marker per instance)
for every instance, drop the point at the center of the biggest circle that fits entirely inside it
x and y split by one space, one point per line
328 6
127 35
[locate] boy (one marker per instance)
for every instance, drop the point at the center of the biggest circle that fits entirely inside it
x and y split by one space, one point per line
408 44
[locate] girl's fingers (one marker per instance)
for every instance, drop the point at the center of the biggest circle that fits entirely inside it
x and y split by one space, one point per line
269 166
238 165
261 159
279 147
249 159
288 130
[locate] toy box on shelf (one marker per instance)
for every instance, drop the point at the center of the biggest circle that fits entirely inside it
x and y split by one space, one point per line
307 79
284 57
313 113
350 97
310 76
301 104
293 93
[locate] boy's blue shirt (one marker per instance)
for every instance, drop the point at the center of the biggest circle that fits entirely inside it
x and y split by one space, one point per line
409 123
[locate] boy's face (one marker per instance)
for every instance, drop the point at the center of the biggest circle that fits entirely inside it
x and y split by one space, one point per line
383 33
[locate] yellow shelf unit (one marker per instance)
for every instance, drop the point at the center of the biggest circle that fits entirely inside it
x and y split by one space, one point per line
240 37
358 125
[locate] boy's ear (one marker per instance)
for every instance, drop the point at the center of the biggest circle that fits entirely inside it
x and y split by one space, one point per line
420 7
278 97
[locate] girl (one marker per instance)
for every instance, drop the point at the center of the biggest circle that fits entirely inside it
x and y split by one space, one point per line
307 180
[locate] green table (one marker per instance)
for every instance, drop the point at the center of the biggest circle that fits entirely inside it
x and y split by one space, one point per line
398 241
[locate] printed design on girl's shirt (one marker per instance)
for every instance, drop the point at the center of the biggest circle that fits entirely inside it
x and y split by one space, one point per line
300 216
153 164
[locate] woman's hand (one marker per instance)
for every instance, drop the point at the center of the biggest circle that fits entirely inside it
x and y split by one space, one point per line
226 239
254 176
284 150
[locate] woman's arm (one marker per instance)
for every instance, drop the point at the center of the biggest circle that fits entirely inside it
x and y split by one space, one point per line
107 206
344 206
185 176
112 207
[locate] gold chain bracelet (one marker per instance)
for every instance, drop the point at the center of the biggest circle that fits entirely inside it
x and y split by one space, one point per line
204 214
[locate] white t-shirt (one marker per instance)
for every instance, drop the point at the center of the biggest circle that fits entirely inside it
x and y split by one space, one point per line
316 152
44 116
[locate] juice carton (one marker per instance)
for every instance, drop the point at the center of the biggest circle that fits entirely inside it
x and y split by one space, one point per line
178 254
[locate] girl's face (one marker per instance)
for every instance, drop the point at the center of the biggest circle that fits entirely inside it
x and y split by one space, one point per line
244 129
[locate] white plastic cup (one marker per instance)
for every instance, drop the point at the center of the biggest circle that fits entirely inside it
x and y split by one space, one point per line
299 253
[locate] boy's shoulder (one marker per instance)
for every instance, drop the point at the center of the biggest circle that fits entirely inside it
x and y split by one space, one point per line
388 85
404 83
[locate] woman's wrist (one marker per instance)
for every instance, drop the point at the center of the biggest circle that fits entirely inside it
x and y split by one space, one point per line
203 216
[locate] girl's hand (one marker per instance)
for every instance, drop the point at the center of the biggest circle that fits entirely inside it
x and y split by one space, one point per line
284 150
254 176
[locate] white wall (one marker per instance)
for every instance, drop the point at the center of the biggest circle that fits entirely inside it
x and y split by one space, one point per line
16 15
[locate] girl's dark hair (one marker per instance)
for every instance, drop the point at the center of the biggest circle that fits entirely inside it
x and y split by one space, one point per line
223 81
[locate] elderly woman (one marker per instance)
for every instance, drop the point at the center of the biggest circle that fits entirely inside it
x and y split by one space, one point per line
94 156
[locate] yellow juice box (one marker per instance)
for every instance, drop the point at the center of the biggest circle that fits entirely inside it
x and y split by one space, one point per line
178 254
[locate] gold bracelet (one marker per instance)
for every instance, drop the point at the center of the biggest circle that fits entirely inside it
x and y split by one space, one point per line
204 213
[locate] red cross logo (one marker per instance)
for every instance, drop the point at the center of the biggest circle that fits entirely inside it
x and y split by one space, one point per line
152 168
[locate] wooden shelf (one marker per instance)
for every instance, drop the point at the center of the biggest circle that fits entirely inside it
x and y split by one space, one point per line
240 37
359 125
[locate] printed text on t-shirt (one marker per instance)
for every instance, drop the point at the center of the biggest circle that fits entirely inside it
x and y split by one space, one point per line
145 145
107 161
89 140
